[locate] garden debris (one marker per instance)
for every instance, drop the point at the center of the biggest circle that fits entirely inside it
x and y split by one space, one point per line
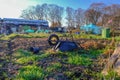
113 62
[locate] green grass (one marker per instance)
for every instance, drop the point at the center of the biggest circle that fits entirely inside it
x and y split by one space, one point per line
21 53
30 73
30 35
23 56
79 60
87 36
83 57
53 67
32 58
34 72
94 53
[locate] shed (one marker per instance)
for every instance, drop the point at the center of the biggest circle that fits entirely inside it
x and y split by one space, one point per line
91 28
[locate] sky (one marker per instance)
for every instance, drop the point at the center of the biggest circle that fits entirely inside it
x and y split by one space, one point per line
13 8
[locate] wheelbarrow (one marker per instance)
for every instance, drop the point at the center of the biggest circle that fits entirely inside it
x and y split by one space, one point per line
62 45
57 44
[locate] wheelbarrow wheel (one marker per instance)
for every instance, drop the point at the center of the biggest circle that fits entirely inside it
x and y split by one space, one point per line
53 39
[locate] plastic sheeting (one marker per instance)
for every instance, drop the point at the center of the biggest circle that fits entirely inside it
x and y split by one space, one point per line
29 31
91 28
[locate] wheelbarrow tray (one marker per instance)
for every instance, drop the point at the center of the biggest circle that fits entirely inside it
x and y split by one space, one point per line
66 46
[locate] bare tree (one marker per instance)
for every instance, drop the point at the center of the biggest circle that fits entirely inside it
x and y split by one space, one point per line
79 17
112 12
94 13
45 11
70 17
29 13
55 15
51 12
39 12
92 16
111 17
59 17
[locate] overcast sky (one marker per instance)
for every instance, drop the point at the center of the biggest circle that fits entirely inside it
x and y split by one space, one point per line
13 8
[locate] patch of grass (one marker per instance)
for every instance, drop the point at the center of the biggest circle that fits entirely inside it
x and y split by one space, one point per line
68 73
53 67
30 35
32 58
79 60
21 53
23 56
8 37
94 53
83 57
31 73
34 35
87 36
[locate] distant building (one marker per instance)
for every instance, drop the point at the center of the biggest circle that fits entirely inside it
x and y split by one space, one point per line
11 25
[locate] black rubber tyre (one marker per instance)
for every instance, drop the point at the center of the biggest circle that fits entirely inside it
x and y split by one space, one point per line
53 39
